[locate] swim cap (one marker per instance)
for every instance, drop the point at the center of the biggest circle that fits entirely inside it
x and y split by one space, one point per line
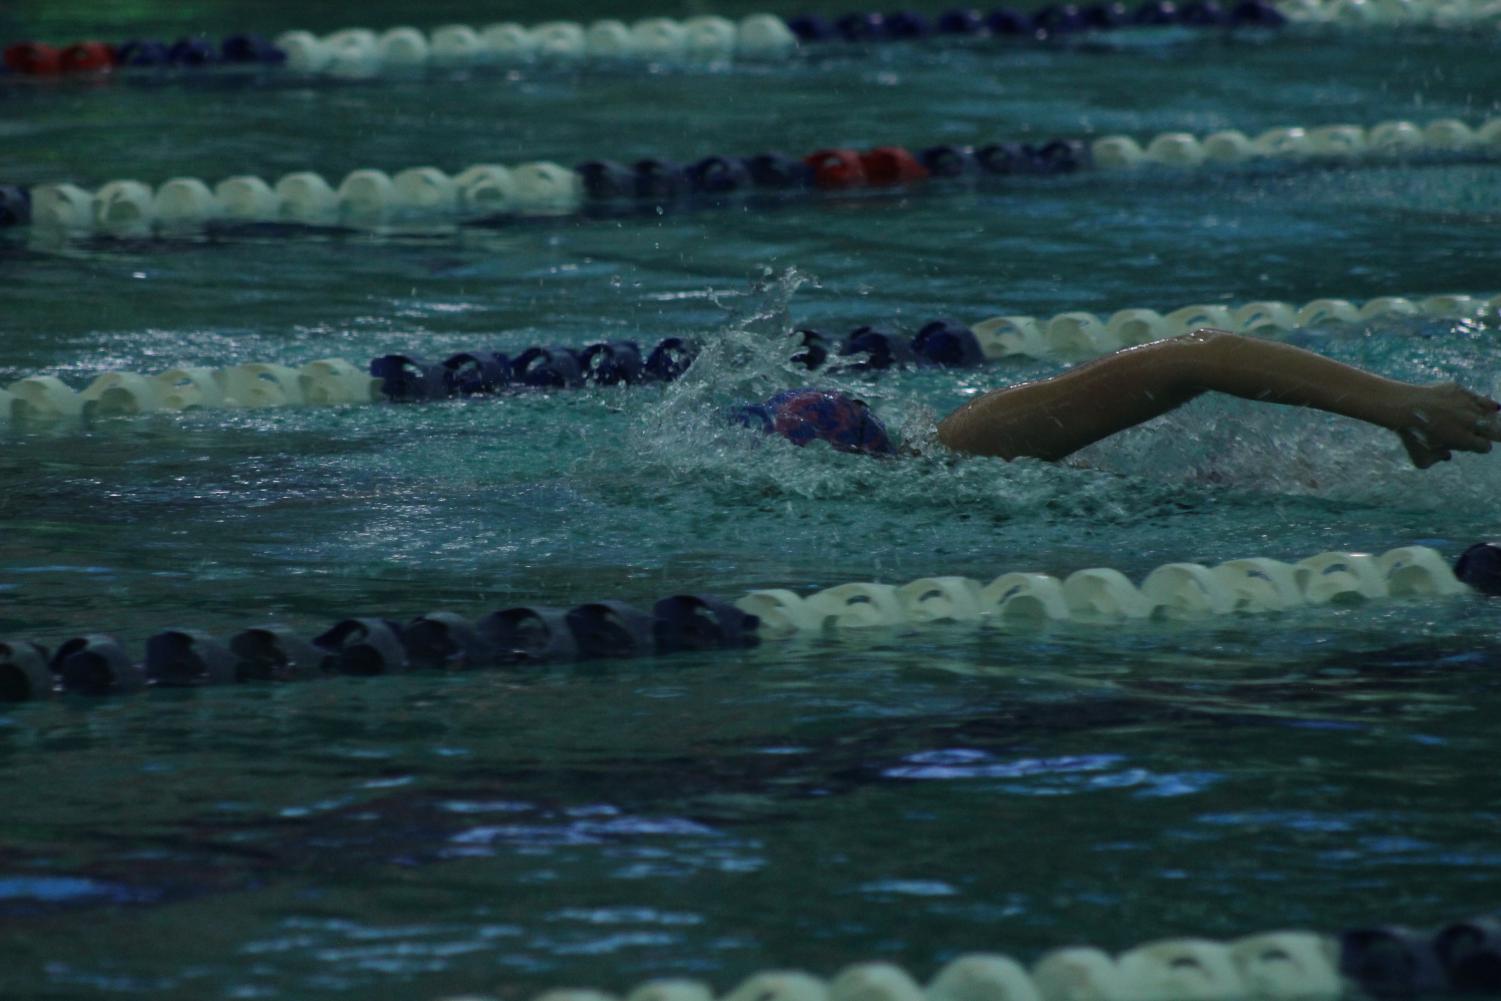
1480 567
803 415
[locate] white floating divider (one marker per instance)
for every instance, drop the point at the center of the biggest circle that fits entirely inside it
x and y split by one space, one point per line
259 385
782 612
189 389
563 41
1288 965
457 45
131 207
858 606
874 982
120 394
45 399
185 201
360 52
940 599
334 381
1377 13
575 994
779 985
62 206
1341 141
1186 969
545 188
306 197
123 205
1272 966
246 198
403 47
1339 577
425 190
1080 973
485 189
609 39
1262 585
1103 596
710 39
672 990
366 193
1077 335
1187 591
1417 570
659 39
980 977
1025 596
764 37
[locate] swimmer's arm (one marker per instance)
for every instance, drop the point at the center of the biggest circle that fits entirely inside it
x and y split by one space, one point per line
1052 418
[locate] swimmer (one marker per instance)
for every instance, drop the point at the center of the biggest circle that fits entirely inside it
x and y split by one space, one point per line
1055 417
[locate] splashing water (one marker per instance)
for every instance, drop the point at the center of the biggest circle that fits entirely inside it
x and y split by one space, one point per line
1218 444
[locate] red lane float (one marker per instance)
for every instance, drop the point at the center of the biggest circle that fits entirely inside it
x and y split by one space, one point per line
890 165
87 57
33 59
836 168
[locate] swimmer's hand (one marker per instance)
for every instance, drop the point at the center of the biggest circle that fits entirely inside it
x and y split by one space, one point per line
1444 416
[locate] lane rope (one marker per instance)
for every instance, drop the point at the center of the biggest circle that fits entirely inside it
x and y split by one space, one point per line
371 197
1079 334
398 378
1072 335
353 53
364 52
1442 14
1379 961
97 663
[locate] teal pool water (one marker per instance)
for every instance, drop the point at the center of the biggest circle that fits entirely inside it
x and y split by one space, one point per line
908 795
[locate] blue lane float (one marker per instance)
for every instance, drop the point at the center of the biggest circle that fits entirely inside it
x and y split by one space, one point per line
408 378
1470 952
98 664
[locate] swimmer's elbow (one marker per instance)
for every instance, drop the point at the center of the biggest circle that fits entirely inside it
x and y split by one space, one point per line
955 433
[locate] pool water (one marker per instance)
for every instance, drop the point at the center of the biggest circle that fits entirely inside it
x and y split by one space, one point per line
908 795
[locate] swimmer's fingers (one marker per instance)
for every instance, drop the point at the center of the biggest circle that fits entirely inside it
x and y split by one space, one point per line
1489 427
1478 443
1451 417
1485 403
1484 429
1420 451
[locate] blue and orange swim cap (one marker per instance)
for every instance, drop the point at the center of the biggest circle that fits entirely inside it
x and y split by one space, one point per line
805 415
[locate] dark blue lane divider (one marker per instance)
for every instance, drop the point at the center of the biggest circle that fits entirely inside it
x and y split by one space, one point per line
1043 23
408 378
99 664
1396 962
